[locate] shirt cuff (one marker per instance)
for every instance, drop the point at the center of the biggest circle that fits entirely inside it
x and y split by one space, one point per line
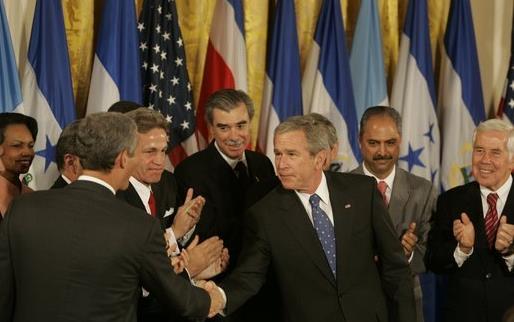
172 241
509 260
411 257
187 236
224 296
460 257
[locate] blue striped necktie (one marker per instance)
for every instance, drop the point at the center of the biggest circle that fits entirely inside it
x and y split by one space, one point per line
325 231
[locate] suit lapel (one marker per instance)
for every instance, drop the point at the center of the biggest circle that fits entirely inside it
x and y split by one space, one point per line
295 218
341 202
399 198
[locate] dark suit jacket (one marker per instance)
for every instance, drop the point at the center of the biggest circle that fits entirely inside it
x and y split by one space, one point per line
165 193
482 288
79 254
280 235
211 177
59 183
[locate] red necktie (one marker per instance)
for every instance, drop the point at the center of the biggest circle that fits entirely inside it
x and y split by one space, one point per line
491 219
382 187
151 203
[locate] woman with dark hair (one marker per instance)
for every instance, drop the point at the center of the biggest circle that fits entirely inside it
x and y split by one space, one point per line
17 135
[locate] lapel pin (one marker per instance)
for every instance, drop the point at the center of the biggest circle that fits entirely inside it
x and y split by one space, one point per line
347 206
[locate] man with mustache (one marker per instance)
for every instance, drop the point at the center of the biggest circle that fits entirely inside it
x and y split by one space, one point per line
17 136
225 169
409 198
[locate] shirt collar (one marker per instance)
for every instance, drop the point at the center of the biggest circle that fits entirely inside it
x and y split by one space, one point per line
231 162
321 191
65 178
389 179
97 180
503 191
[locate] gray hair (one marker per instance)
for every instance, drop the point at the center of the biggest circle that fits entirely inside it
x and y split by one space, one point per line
325 125
380 111
67 143
101 137
317 140
226 100
147 119
501 126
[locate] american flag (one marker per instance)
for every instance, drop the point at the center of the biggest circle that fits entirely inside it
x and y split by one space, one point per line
166 85
506 106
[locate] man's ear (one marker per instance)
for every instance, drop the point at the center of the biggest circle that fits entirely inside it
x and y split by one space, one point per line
321 158
121 159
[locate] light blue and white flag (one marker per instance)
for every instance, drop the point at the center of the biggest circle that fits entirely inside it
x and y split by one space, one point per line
282 89
461 104
366 60
116 69
10 92
47 89
413 95
327 85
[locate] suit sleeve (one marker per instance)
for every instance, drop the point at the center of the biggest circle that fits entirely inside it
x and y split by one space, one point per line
174 292
250 272
441 242
7 291
395 271
422 229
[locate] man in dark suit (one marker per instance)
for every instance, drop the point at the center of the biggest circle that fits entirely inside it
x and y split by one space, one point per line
319 233
78 253
151 181
223 171
65 156
410 199
471 238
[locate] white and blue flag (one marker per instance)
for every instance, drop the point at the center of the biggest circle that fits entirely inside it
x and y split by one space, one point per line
47 89
282 89
10 92
116 69
366 60
327 85
461 103
413 95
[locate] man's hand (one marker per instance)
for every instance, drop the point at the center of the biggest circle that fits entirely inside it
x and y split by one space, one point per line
180 262
409 240
464 233
216 268
217 300
203 254
504 236
188 214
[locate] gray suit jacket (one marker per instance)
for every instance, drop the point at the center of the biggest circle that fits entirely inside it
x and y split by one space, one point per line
412 200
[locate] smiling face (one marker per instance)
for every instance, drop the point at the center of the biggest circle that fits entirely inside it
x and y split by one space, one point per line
152 148
380 145
491 162
231 130
18 150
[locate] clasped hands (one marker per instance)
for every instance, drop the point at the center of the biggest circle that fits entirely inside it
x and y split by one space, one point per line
464 233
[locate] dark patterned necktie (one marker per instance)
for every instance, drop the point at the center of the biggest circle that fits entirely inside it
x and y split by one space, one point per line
325 231
242 174
491 219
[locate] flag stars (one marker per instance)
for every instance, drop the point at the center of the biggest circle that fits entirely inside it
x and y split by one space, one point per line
145 66
168 16
150 106
154 68
178 61
163 55
511 103
143 46
161 75
153 88
160 94
159 9
174 80
166 36
188 86
156 48
512 85
171 99
188 106
140 26
185 125
158 29
169 118
179 42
